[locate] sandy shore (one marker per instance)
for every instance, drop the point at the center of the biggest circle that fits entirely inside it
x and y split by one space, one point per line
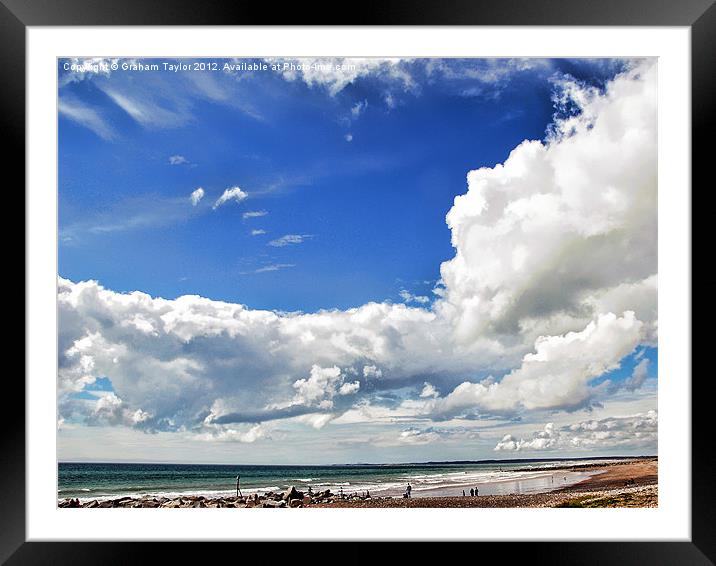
619 484
644 496
631 483
643 472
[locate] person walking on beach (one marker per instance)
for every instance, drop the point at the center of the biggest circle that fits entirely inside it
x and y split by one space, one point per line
476 492
408 489
463 493
472 492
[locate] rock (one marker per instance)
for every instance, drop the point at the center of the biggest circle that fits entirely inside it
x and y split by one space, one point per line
307 500
292 493
92 504
270 503
295 503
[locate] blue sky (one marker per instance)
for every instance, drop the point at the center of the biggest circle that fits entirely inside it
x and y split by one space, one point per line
339 192
373 208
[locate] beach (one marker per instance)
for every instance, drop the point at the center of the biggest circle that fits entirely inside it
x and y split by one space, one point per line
613 483
610 485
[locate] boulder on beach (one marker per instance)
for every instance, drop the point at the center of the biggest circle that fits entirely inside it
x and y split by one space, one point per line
292 493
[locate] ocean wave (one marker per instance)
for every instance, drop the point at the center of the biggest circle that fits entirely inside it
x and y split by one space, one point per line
423 482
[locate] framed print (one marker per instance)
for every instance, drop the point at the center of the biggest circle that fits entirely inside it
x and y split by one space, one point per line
427 278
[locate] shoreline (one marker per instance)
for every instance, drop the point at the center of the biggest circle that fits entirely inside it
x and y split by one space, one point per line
632 483
618 484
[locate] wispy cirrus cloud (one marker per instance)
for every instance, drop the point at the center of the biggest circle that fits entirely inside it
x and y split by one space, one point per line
77 69
160 100
336 73
274 267
254 214
144 212
408 297
86 116
289 240
147 111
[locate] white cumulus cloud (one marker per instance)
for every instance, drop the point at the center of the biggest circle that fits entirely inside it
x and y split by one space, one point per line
196 196
538 237
613 432
358 108
552 284
231 194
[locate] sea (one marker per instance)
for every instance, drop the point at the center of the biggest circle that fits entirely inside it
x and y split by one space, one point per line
87 481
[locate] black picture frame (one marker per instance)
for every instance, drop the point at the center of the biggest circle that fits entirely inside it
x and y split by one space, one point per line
699 15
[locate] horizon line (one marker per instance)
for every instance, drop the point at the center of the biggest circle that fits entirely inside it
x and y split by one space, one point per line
429 462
